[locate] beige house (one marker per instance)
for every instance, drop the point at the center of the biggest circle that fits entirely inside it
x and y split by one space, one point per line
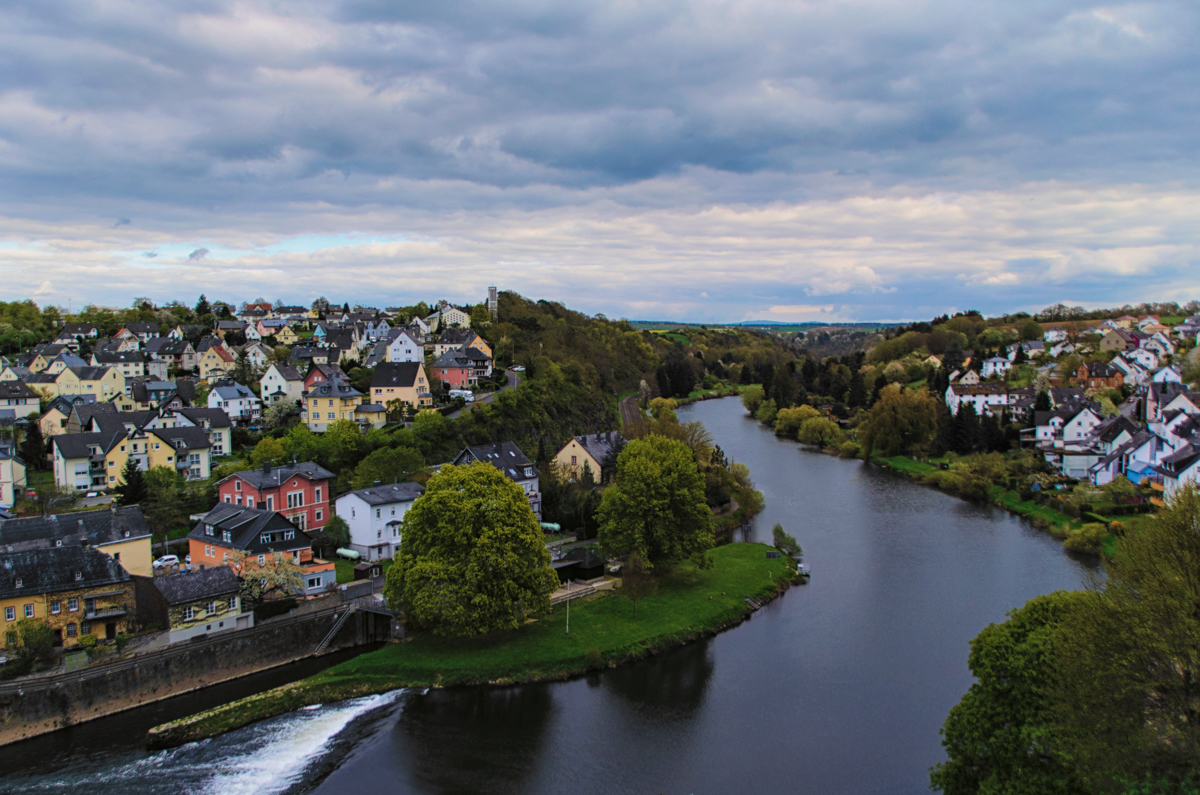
592 450
216 362
403 381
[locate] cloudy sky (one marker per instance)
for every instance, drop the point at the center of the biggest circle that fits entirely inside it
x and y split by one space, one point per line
757 159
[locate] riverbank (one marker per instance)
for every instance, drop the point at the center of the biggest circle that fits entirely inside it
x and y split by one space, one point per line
691 603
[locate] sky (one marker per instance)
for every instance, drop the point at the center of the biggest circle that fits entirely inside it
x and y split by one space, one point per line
790 160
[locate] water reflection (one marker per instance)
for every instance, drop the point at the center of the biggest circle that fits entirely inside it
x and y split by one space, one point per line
673 685
473 739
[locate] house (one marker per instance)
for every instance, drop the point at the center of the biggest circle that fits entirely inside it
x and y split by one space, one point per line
402 381
596 450
1032 350
12 476
997 365
1098 375
186 450
131 363
281 382
17 396
1119 340
509 459
177 353
81 415
54 420
370 415
216 362
986 398
1054 335
1179 469
267 327
214 422
318 373
203 601
76 590
286 336
1168 374
73 333
1161 344
257 354
454 369
119 532
969 378
1125 321
1132 372
402 346
1073 424
103 382
239 402
1187 402
374 516
1145 357
300 491
226 327
330 401
446 316
80 461
229 529
143 331
452 339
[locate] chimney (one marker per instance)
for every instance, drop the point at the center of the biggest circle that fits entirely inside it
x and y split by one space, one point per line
266 467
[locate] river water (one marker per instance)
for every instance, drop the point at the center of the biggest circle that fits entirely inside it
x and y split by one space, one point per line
838 687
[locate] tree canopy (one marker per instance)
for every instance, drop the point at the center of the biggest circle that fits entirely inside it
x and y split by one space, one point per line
472 559
657 506
900 420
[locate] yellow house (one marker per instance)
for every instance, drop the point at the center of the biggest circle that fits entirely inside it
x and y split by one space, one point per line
103 382
330 401
186 450
120 533
480 344
216 362
403 381
76 590
286 336
592 449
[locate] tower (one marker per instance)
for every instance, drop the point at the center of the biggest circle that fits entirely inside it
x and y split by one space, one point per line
493 302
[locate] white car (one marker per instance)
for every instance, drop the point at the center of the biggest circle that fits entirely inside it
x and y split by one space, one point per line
517 368
166 561
92 494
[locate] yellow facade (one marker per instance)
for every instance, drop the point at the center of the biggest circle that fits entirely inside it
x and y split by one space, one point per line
52 423
212 364
324 410
572 457
415 395
105 388
135 555
157 454
286 336
480 344
67 611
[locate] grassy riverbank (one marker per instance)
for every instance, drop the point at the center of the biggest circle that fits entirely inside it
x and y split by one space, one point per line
690 603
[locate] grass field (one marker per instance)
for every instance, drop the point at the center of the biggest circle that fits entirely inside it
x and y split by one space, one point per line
690 602
345 568
903 464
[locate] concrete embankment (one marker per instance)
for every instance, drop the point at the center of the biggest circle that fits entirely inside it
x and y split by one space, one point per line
36 706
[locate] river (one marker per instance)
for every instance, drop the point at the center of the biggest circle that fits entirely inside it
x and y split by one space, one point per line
840 686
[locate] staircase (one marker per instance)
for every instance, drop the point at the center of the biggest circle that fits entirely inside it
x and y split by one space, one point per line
337 625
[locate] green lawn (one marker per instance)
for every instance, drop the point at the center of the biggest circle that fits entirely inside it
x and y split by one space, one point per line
904 464
345 568
689 602
1028 508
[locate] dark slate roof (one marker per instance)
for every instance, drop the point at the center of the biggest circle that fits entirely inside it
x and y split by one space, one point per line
455 336
599 444
231 325
16 390
272 477
390 493
287 371
85 411
118 357
370 408
206 343
54 569
248 525
100 527
142 328
75 445
89 373
216 418
198 585
396 374
187 438
333 388
78 329
1111 428
1101 370
1180 460
505 456
166 346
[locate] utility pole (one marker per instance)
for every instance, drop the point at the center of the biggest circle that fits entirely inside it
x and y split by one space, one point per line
568 606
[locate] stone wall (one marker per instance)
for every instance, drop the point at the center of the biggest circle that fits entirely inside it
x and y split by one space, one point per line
36 706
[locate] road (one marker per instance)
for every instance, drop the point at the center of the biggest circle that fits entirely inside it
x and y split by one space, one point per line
513 382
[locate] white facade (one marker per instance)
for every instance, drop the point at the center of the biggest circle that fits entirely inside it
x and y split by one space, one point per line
275 386
375 525
237 401
996 366
404 348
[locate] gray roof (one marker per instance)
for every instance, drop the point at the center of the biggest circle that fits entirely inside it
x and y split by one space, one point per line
288 372
89 373
333 388
100 527
247 527
270 477
599 444
118 357
198 585
16 390
505 456
235 392
75 445
65 568
389 493
396 374
369 408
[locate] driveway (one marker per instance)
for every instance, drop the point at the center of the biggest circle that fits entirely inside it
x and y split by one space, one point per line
513 383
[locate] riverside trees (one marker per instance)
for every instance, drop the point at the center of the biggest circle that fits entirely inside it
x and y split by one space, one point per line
472 559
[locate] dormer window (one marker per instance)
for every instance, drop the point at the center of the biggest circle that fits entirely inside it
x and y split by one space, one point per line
20 583
208 530
78 576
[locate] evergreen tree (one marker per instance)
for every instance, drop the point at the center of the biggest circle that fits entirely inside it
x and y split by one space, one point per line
746 377
202 307
1020 358
132 488
881 383
680 374
856 397
33 447
967 431
992 438
664 381
953 358
783 387
943 438
541 453
766 377
1042 401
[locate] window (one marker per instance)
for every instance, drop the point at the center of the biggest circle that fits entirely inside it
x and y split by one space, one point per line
237 484
319 514
376 513
331 415
228 498
10 614
289 535
295 499
574 461
211 608
85 627
314 582
233 603
270 503
262 559
209 530
71 630
265 538
189 613
317 494
29 611
73 604
55 607
227 536
249 502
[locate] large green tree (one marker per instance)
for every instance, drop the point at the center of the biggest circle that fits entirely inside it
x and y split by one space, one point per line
387 465
656 508
132 488
1002 739
900 420
472 559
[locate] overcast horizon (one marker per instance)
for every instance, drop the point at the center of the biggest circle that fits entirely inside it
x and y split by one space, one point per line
699 162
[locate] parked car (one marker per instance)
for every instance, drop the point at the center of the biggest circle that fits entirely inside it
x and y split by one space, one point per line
517 368
166 561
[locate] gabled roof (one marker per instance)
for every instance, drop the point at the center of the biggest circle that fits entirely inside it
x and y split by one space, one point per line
118 357
216 417
388 494
1179 461
234 392
598 445
76 445
142 328
88 373
65 568
247 527
97 528
287 372
334 387
505 456
270 477
396 374
198 585
16 390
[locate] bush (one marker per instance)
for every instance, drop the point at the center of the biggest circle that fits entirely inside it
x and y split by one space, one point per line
593 659
87 642
849 450
275 607
1088 538
788 421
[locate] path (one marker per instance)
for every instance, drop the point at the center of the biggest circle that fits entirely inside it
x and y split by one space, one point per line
513 382
630 413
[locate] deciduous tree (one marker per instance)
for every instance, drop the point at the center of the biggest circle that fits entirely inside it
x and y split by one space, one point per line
386 465
900 420
637 581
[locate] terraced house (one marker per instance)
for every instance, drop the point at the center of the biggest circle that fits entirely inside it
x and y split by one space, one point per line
119 532
300 491
76 590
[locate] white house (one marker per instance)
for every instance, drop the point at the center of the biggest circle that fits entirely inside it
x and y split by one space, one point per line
986 398
12 476
1161 344
281 382
403 347
1167 375
449 316
1180 469
374 516
1054 335
241 404
18 397
997 365
1145 357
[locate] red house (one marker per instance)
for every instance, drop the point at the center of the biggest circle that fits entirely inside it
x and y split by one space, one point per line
455 369
299 491
320 373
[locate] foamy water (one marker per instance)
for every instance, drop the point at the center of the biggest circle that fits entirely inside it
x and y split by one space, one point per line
266 758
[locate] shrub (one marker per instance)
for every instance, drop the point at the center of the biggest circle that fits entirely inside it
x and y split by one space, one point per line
767 412
788 421
86 642
849 449
1088 538
593 659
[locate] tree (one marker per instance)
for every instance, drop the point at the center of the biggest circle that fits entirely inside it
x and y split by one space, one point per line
1042 401
637 580
785 543
857 395
202 307
242 373
1002 737
132 488
900 420
752 398
386 465
278 413
966 432
32 639
336 533
657 506
162 506
819 431
268 451
276 574
33 447
1031 330
472 559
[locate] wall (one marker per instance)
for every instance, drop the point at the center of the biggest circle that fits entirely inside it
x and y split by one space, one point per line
34 707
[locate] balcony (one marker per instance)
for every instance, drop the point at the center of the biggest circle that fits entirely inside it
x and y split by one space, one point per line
105 612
